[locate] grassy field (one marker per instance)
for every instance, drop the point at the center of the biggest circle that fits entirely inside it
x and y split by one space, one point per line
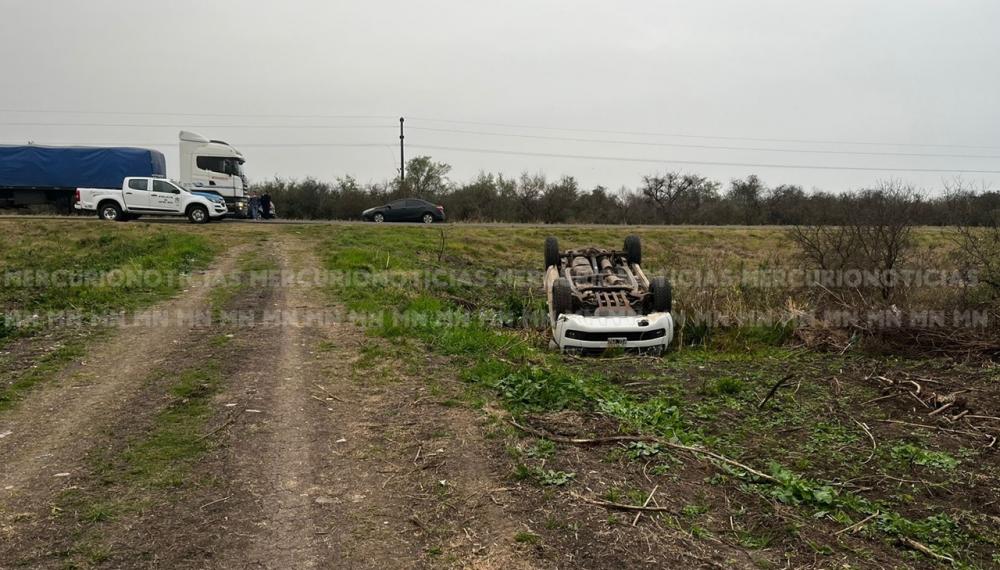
58 277
759 448
825 442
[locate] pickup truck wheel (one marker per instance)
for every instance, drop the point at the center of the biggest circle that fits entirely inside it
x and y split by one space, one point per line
378 218
659 288
562 297
198 214
551 252
428 218
110 211
633 250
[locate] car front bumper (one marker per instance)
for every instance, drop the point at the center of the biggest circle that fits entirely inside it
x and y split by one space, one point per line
653 331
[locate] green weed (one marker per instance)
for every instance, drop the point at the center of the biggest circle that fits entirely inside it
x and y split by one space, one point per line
910 454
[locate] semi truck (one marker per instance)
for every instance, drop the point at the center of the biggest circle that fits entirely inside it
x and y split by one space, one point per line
32 175
36 175
214 167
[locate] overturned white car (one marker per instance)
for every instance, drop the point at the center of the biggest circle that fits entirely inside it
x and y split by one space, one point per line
600 299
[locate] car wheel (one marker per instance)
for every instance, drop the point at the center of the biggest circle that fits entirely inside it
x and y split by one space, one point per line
378 218
198 214
659 288
110 211
551 252
428 218
562 297
633 250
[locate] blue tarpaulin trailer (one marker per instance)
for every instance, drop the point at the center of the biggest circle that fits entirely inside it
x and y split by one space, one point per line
35 174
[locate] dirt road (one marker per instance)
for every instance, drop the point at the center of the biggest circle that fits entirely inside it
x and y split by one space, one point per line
49 433
318 456
335 463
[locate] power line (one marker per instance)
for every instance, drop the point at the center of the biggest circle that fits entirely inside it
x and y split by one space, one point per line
702 162
695 136
504 125
706 147
571 156
165 114
241 145
513 135
175 126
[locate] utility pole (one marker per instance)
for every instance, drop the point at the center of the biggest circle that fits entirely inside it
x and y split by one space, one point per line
402 164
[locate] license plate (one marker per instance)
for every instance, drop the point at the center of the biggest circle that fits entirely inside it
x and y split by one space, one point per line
617 341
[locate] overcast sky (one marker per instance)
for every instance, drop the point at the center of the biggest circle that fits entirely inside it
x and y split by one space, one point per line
674 77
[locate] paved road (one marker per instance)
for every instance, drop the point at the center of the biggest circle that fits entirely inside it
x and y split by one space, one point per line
181 220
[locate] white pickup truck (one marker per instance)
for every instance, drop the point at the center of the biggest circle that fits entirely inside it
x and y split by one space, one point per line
141 196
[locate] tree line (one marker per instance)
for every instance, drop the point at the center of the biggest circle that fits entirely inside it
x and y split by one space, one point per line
669 198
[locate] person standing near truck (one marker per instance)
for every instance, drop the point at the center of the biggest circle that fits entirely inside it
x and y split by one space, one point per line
265 206
253 207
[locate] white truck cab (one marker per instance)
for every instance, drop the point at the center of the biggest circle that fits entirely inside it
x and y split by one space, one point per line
213 167
154 196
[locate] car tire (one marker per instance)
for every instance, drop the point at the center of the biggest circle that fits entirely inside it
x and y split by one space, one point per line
378 218
662 294
109 211
198 214
552 253
633 250
562 297
427 218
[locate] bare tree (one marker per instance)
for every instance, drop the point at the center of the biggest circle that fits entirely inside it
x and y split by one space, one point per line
872 233
977 235
670 190
529 189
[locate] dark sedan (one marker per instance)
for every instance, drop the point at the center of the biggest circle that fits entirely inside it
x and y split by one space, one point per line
405 210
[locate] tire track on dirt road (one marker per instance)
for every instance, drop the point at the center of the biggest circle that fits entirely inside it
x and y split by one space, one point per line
54 426
274 465
326 475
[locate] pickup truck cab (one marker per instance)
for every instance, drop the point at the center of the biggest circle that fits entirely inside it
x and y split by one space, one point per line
154 196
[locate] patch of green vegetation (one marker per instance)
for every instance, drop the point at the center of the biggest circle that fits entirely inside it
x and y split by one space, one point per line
639 449
694 510
909 454
629 496
726 386
163 456
107 270
41 371
793 489
828 437
524 537
754 541
99 270
938 532
544 477
543 449
555 478
699 532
